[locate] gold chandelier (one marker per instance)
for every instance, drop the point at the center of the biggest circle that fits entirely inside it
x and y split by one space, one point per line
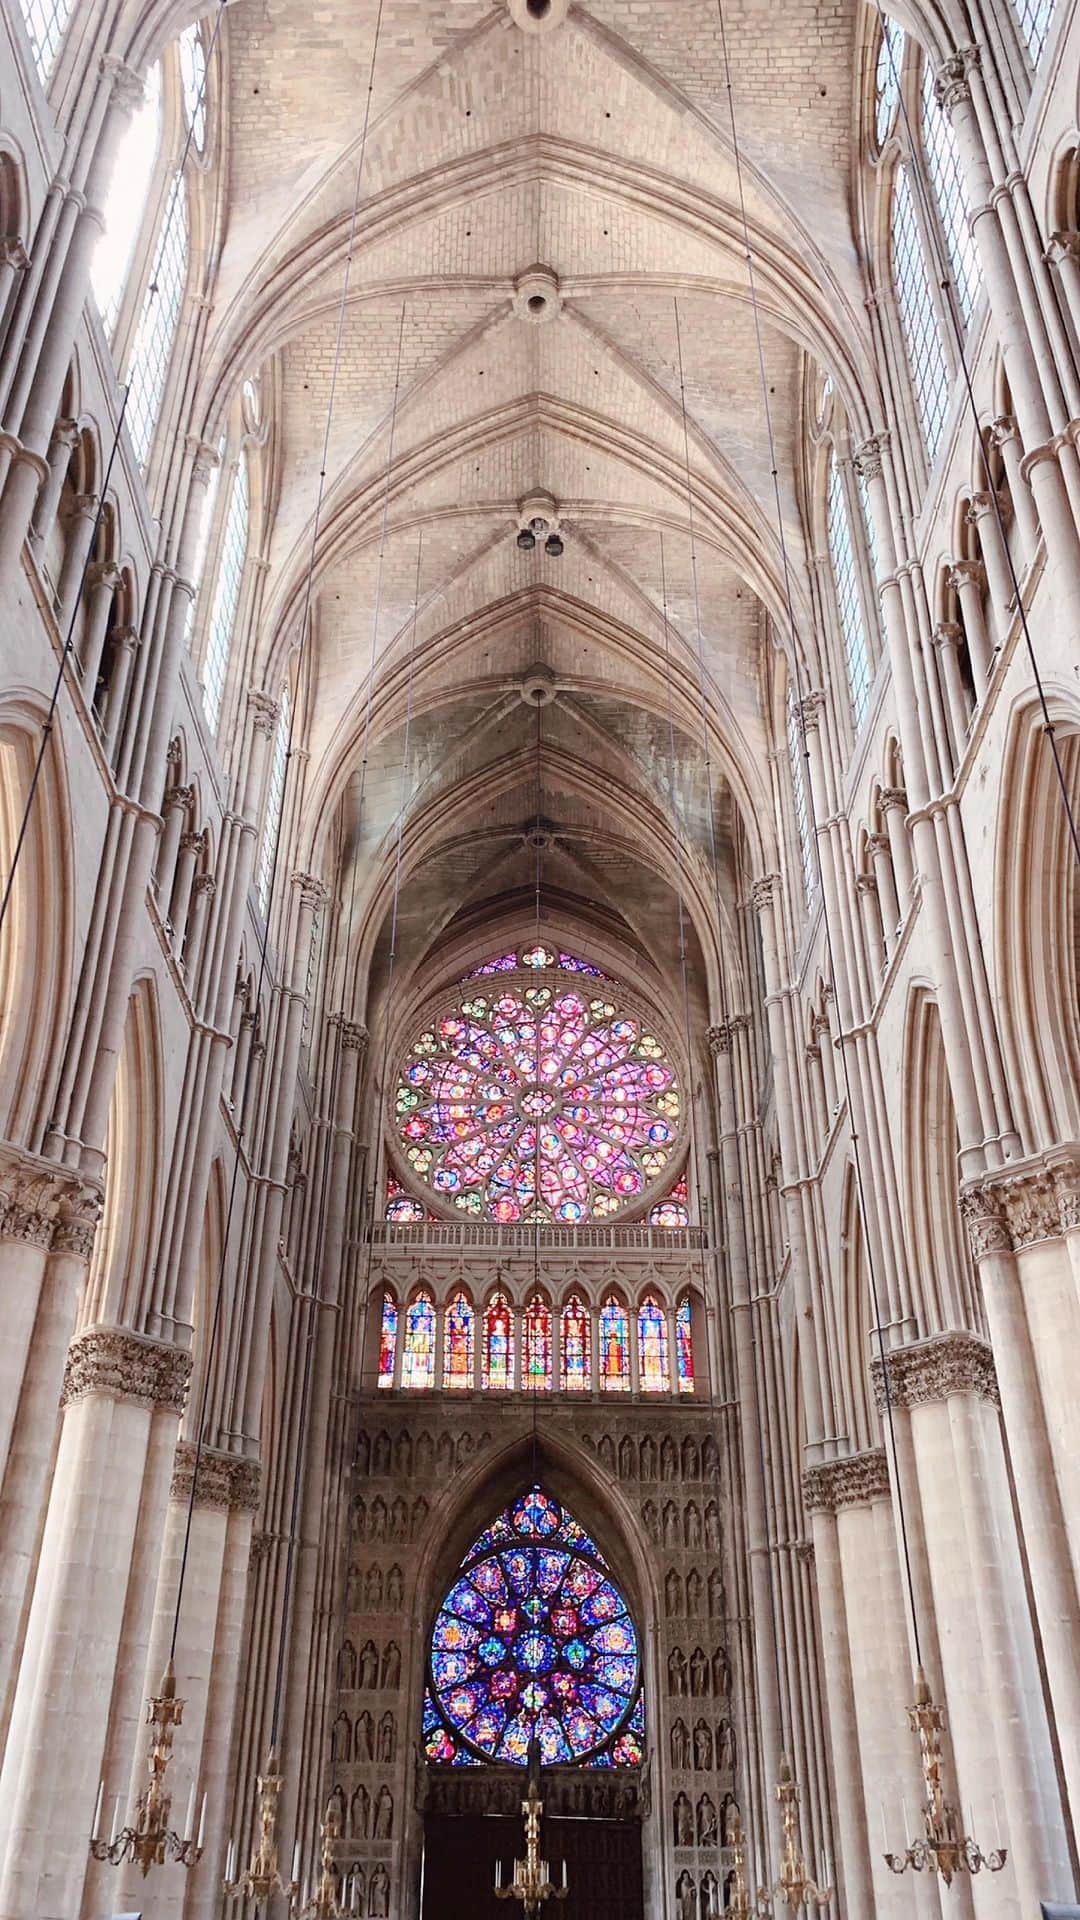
944 1848
532 1883
262 1877
335 1894
151 1841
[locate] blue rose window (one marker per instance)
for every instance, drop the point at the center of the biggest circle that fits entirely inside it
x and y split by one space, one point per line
534 1637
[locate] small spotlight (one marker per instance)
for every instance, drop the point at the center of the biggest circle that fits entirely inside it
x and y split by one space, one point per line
526 540
553 546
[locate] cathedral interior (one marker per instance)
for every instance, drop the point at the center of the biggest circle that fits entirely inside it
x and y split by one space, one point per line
539 942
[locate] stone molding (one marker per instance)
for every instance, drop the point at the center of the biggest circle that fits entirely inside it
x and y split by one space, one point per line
226 1482
1022 1207
854 1481
113 1360
951 84
932 1370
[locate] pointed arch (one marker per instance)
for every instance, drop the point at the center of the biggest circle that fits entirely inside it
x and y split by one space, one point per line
126 1242
36 937
948 1285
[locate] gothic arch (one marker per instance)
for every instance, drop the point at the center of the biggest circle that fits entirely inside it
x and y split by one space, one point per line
35 941
123 1252
947 1286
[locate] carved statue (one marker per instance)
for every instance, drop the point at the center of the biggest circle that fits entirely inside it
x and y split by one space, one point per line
399 1520
373 1590
379 1894
683 1822
391 1666
364 1744
676 1671
692 1529
684 1897
673 1595
680 1746
369 1666
395 1589
383 1825
706 1822
671 1524
693 1593
712 1527
378 1518
721 1673
725 1747
699 1673
386 1738
703 1748
380 1453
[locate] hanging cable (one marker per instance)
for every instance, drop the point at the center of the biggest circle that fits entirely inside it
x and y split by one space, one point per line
305 629
947 283
66 651
843 1036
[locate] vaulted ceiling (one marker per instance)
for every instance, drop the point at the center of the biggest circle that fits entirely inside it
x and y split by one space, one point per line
600 150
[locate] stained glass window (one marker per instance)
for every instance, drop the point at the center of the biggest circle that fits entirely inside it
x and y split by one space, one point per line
887 79
535 956
418 1352
537 1352
653 1347
151 353
388 1340
576 1346
1035 17
674 1210
947 180
527 1073
534 1638
458 1342
614 1346
498 1372
401 1207
684 1345
918 315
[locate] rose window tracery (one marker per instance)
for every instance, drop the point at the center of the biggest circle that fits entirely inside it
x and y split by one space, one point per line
534 1637
534 1098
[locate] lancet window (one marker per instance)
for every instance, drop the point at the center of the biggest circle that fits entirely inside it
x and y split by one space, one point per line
614 1346
849 606
458 1332
418 1346
46 24
684 1345
1034 18
388 1332
537 1348
653 1347
498 1371
534 1640
576 1346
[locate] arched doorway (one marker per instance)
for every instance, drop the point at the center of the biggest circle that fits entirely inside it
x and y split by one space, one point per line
533 1639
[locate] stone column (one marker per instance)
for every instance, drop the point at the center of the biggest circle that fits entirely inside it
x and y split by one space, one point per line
1005 435
880 846
894 805
125 641
984 514
947 638
79 521
115 1382
102 580
191 846
64 441
175 808
26 1232
866 888
944 1399
966 580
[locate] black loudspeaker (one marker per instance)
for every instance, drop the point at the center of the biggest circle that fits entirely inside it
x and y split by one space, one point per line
1059 1913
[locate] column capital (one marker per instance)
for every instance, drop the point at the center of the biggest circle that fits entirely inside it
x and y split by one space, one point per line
1025 1205
81 506
892 797
126 1366
14 254
353 1035
810 709
264 711
104 573
865 883
764 892
978 507
311 889
205 458
205 883
951 83
193 842
128 86
869 463
947 634
178 797
1004 428
225 1481
855 1481
965 573
932 1370
878 842
1062 246
719 1038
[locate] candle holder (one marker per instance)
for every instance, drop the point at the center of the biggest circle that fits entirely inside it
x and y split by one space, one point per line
795 1887
532 1884
742 1904
262 1877
944 1848
151 1841
335 1893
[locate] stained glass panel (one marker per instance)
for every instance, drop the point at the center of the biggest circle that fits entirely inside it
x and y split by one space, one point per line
614 1346
674 1210
535 956
401 1207
529 1080
498 1371
576 1347
653 1347
418 1352
684 1345
534 1637
537 1352
458 1342
388 1340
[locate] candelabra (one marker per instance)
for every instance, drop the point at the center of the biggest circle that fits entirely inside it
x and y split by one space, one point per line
151 1841
741 1904
335 1894
531 1884
795 1887
263 1877
944 1848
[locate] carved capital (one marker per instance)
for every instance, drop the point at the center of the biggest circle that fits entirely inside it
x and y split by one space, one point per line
966 573
312 891
877 842
811 709
719 1038
868 457
128 88
764 892
852 1482
1062 246
104 573
865 883
353 1036
1023 1207
932 1370
81 506
178 797
14 254
125 1365
892 797
947 634
205 883
193 842
979 506
225 1480
1004 428
951 84
264 712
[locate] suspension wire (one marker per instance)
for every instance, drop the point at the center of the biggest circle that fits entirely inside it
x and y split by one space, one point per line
694 1144
538 889
305 629
843 1036
758 1344
947 283
124 391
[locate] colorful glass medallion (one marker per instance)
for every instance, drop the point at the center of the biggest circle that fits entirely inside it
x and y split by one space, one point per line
458 1342
576 1355
534 1638
684 1345
418 1348
614 1346
387 1340
653 1346
537 1352
530 1099
674 1210
401 1208
498 1373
